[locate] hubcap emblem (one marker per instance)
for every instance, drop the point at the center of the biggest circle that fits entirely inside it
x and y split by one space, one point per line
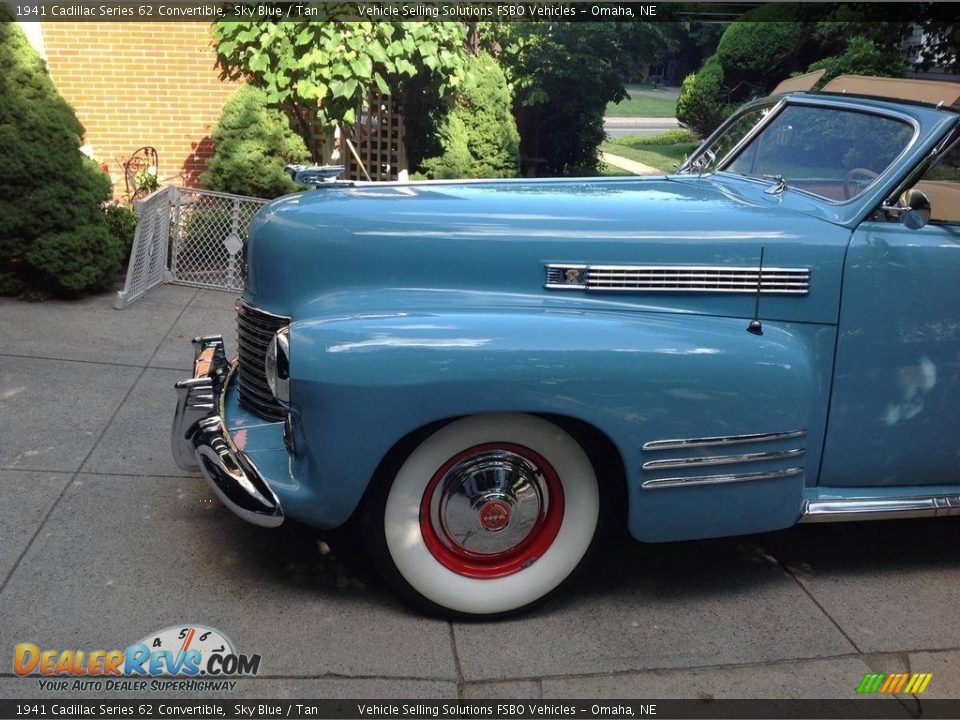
491 510
494 515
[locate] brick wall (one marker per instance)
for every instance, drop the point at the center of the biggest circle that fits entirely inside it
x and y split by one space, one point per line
136 84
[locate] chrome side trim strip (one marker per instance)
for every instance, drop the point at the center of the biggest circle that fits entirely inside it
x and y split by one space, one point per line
721 459
816 511
663 483
722 440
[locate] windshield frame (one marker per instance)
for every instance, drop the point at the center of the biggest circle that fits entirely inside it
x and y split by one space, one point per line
937 154
777 107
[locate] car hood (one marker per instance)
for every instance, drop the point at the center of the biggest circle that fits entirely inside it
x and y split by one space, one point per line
498 237
471 209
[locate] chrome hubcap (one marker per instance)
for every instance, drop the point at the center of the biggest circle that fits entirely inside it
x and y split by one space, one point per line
488 503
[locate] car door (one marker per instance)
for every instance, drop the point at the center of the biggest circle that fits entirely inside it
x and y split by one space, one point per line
894 416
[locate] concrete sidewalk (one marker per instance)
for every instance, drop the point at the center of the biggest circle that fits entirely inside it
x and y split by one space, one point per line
632 166
104 541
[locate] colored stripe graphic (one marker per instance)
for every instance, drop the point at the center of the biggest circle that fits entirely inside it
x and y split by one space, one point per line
894 683
871 682
921 682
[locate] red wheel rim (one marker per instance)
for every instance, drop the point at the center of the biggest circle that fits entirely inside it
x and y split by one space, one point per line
516 507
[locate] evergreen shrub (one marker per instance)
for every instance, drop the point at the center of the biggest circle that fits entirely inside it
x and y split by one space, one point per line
54 237
761 54
123 224
702 104
479 135
252 142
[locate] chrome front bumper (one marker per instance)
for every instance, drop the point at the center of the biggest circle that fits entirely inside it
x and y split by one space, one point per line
200 438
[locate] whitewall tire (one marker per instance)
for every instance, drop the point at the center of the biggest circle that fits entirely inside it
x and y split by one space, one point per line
489 514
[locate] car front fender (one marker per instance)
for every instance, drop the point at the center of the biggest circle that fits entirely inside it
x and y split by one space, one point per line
359 384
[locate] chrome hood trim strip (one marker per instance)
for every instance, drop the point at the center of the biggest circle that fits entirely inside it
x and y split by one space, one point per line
679 278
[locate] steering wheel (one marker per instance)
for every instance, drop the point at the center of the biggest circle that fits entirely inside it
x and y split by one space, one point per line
851 186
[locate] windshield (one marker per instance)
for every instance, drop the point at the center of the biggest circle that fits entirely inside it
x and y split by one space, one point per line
833 153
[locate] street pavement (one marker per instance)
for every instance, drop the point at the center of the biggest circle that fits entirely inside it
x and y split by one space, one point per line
104 540
621 126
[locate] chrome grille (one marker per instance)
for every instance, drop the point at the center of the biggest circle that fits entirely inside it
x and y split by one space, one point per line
679 278
255 329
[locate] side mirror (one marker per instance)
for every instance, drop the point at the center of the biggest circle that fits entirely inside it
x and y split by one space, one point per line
912 209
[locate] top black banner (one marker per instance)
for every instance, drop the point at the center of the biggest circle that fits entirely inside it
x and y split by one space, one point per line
154 709
445 11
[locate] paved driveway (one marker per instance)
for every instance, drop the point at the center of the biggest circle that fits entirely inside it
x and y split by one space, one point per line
103 540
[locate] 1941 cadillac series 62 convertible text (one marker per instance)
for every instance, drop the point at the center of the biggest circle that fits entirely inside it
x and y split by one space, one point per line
477 373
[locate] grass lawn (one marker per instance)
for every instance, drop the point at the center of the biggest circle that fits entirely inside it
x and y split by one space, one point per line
651 103
664 151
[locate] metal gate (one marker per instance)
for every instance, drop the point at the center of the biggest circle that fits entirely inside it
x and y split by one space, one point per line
190 237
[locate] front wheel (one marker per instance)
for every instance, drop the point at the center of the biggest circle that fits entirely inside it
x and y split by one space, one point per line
487 515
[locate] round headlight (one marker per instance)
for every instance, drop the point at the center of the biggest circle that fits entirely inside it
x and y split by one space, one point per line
277 365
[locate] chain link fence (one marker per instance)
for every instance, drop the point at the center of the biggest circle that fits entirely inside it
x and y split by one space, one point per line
190 237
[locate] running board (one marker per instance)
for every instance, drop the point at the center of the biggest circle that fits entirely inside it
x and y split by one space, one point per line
816 511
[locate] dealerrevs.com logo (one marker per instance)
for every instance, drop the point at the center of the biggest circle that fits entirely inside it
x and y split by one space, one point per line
183 653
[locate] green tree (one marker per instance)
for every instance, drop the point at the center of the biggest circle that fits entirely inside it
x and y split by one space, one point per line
941 47
252 143
646 45
53 233
862 56
325 69
563 76
698 41
479 135
886 26
772 42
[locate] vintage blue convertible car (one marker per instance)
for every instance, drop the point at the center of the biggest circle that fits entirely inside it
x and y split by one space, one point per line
478 374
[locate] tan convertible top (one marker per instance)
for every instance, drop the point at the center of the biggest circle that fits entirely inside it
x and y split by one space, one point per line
932 92
800 83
